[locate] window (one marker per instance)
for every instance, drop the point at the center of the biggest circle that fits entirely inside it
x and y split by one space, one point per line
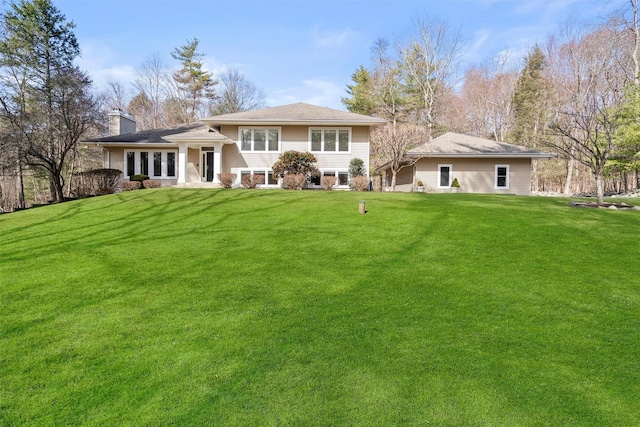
260 139
342 178
144 163
502 176
444 176
269 179
331 140
171 164
157 163
131 163
161 163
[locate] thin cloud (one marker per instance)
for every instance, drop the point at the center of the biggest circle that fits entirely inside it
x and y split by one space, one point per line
332 38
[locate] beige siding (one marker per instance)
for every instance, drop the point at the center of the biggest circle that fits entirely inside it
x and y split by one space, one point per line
476 175
193 165
294 138
116 159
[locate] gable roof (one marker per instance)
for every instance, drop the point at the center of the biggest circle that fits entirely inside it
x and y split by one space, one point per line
453 144
295 114
166 136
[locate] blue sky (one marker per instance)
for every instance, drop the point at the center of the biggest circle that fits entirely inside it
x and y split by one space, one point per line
302 50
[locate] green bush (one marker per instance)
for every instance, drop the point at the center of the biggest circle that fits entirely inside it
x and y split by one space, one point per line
139 177
356 168
455 183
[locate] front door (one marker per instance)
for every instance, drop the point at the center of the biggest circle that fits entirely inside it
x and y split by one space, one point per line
207 164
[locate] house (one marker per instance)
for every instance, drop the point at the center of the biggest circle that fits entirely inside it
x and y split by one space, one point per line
480 165
248 142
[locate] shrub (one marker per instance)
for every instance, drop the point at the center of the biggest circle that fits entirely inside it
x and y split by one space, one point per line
95 182
252 181
455 183
139 177
130 185
356 168
151 183
296 163
293 181
328 182
227 179
359 183
420 184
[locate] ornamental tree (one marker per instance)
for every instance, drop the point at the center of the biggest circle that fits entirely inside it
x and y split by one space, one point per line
296 163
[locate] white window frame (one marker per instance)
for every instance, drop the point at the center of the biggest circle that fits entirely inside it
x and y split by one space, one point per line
137 165
506 186
267 172
440 166
255 128
336 172
337 129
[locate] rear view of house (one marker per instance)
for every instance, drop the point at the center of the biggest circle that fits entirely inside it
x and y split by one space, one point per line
242 143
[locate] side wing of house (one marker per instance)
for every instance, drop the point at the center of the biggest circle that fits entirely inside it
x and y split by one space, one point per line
480 175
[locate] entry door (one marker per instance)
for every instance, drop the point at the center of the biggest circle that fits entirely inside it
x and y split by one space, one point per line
207 162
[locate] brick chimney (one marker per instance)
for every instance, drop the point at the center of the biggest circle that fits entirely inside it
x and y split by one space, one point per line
121 123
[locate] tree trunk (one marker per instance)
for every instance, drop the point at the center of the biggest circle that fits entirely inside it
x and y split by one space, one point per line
567 183
393 179
599 188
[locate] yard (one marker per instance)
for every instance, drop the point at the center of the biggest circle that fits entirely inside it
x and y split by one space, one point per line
268 307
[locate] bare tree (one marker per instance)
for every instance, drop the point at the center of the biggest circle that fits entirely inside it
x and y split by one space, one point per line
390 144
429 62
152 82
115 96
236 94
488 97
590 73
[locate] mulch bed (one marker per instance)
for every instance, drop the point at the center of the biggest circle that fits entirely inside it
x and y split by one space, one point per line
603 205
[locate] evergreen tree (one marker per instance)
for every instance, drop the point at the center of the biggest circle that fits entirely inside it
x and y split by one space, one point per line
45 99
194 85
361 100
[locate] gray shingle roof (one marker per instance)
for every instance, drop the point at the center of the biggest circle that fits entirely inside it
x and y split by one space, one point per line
299 113
458 145
163 136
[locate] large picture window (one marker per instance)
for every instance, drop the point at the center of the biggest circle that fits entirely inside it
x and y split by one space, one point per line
162 164
502 176
267 139
331 140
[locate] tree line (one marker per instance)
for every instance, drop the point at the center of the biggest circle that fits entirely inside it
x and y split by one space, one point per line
48 104
575 94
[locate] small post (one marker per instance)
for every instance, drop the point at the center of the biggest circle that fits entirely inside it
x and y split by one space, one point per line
362 208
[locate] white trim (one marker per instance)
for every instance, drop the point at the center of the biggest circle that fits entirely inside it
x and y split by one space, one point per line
495 179
323 129
252 171
440 166
265 128
137 163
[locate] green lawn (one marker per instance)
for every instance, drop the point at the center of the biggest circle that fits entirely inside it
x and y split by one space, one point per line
240 307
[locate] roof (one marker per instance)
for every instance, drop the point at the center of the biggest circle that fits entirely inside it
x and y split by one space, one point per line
458 145
167 136
300 113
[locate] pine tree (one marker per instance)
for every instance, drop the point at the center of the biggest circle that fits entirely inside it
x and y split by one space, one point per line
194 84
